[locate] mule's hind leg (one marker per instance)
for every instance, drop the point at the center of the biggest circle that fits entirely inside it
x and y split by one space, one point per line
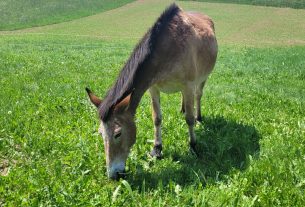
198 101
157 119
188 95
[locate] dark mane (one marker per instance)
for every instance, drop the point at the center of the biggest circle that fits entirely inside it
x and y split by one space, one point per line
124 85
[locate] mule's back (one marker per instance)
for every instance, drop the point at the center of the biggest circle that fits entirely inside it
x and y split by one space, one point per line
186 53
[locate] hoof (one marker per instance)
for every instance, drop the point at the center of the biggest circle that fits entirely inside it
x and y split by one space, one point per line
157 151
199 119
182 111
193 149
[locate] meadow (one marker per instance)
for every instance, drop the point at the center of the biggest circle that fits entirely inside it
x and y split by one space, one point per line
16 14
252 139
297 4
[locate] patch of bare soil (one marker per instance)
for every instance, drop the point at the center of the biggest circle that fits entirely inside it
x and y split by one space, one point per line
4 167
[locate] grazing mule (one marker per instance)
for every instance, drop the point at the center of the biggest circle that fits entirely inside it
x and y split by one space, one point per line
176 54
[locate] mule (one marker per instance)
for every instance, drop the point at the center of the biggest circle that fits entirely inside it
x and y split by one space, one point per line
177 54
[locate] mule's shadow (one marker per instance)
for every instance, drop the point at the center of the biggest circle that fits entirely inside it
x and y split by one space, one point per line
222 145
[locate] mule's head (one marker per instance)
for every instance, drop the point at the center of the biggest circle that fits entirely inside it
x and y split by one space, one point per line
119 134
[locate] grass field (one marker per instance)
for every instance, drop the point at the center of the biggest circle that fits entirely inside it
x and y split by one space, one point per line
235 24
15 14
252 138
297 4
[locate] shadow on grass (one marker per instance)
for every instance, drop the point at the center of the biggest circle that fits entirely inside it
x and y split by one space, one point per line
222 145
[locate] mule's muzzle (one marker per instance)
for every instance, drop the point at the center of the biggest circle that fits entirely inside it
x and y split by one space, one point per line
118 175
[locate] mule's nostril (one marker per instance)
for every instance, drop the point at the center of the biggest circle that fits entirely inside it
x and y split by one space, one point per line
121 174
116 172
117 175
114 176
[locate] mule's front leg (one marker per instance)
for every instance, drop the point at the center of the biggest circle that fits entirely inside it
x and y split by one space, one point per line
188 95
157 119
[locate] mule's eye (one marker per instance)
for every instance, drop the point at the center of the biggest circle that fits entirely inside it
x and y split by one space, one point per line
117 133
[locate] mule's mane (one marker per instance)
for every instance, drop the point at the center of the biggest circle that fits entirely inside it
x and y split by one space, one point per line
124 85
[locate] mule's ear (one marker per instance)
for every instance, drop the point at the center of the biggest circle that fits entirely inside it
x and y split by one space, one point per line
93 98
122 105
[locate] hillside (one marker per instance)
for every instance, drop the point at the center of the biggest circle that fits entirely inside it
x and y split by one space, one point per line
15 14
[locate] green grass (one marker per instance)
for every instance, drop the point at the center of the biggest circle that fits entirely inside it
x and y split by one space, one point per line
15 14
252 138
296 4
251 141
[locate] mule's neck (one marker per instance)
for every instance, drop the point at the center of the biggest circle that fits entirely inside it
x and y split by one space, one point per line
135 101
144 80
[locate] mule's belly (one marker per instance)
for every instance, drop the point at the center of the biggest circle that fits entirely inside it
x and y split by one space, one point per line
188 70
170 86
179 83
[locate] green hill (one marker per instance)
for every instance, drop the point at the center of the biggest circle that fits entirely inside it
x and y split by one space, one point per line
15 14
297 4
234 23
